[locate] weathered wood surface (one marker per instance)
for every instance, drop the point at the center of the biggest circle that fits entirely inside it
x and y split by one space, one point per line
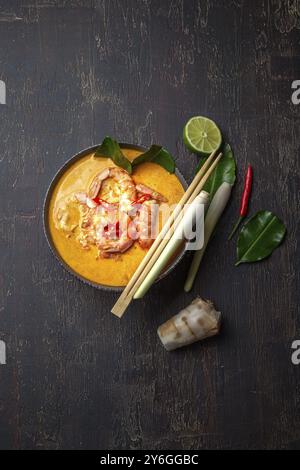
76 376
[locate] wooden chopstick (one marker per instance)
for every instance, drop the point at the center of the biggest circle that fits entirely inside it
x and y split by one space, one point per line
165 240
164 235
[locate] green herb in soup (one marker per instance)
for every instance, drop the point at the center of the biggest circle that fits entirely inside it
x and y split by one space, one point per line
111 149
156 154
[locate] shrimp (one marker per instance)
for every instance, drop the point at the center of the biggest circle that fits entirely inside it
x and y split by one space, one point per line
146 224
84 199
123 192
114 237
125 212
106 222
147 215
143 189
104 225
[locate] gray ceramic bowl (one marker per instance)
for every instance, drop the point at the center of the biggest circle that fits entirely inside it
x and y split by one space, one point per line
48 196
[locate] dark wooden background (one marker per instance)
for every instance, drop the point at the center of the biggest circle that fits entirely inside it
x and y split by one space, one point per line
76 376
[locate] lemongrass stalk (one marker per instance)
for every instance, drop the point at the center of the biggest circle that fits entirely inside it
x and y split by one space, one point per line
173 244
214 212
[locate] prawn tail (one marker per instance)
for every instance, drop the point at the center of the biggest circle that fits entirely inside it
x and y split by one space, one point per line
143 189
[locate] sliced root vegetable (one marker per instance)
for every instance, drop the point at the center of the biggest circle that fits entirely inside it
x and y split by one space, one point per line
197 321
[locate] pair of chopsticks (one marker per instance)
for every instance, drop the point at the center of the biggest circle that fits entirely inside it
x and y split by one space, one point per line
164 235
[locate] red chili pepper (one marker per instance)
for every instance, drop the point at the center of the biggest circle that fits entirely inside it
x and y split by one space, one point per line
118 229
245 199
99 201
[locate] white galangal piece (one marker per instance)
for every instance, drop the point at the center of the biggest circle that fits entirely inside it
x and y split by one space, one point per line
197 321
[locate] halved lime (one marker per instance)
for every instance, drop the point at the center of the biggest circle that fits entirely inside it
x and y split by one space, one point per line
202 135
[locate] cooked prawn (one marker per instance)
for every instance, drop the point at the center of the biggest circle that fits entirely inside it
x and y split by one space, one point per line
123 192
143 189
114 237
104 225
147 215
125 212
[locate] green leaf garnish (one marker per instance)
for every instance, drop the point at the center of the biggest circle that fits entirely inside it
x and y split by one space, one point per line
224 171
111 149
148 155
157 154
165 159
259 237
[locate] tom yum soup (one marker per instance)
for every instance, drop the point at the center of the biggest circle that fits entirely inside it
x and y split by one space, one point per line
102 219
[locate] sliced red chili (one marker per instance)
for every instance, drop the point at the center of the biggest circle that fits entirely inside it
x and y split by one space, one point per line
141 199
99 201
118 229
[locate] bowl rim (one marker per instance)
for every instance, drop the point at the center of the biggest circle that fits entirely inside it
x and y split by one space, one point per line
46 227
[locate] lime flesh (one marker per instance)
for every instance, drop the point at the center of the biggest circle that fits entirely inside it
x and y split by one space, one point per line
202 135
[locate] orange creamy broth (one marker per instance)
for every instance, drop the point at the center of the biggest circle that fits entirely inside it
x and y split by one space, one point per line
115 271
